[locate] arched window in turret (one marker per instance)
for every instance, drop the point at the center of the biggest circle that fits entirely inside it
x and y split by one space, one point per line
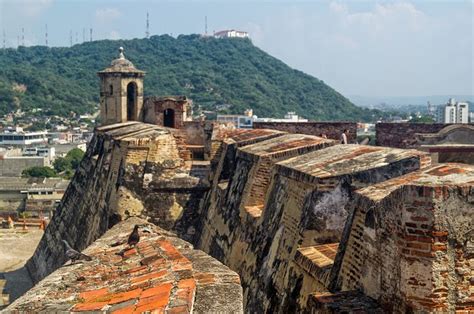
131 101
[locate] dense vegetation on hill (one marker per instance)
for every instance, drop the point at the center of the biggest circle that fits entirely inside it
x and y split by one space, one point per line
210 71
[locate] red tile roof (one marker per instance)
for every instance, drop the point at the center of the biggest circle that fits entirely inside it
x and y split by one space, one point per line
161 273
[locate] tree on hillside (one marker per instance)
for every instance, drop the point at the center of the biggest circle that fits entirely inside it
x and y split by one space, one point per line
209 71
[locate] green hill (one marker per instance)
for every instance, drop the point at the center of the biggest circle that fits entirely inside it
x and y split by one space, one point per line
210 71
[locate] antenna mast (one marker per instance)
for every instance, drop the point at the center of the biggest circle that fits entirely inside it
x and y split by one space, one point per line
70 38
205 25
83 34
4 40
90 34
147 33
23 36
46 35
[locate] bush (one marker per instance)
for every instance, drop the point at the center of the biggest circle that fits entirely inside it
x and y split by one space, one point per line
39 172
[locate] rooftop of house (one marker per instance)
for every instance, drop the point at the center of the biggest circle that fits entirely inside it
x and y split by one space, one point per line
37 184
284 143
161 273
442 176
347 159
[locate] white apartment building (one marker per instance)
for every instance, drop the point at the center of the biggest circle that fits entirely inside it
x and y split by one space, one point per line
239 121
454 112
462 112
246 120
23 138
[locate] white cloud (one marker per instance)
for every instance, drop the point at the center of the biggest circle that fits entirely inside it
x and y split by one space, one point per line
382 17
27 8
107 14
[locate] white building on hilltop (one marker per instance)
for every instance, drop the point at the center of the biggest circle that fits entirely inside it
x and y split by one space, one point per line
454 112
231 33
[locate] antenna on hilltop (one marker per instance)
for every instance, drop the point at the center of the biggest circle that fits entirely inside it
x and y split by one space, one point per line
77 38
205 25
90 34
147 33
23 36
46 35
17 41
83 34
70 38
4 40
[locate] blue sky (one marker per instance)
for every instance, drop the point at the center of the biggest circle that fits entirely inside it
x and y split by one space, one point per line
370 48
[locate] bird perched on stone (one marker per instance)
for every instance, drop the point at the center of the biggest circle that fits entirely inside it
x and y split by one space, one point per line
134 237
74 255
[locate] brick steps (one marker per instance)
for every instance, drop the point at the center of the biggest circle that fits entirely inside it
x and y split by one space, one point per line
317 260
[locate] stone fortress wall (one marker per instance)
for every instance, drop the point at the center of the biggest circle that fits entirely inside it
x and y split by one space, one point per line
308 224
127 169
332 130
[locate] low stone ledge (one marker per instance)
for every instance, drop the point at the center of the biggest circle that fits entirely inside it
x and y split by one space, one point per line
162 272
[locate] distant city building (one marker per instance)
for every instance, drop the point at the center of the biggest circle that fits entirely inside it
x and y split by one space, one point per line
289 117
246 120
454 112
23 138
49 152
38 197
13 162
239 121
462 112
231 33
431 109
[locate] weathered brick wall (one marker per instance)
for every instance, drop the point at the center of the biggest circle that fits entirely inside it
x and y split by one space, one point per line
138 166
402 135
154 108
85 209
261 243
410 246
333 130
194 132
284 209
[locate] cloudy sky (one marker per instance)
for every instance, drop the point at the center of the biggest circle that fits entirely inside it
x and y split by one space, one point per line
369 48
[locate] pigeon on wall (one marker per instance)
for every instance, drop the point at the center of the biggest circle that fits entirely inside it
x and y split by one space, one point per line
134 237
74 255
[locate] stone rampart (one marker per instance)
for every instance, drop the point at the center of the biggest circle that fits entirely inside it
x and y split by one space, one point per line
332 130
162 273
130 169
411 243
403 135
308 224
260 216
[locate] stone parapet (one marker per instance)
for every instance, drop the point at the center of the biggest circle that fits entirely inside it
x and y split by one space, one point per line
333 130
161 273
410 246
